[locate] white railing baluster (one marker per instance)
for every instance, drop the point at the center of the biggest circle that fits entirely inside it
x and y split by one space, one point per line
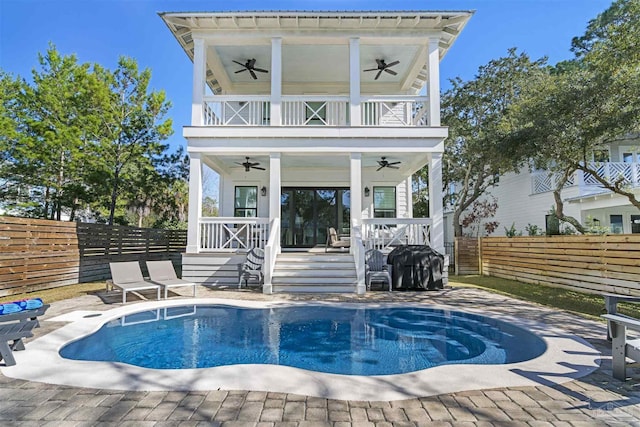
219 234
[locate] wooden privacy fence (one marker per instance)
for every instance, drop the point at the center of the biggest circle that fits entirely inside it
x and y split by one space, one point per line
40 254
467 255
594 264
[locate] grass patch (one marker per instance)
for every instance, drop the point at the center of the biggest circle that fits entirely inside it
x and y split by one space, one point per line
589 305
60 293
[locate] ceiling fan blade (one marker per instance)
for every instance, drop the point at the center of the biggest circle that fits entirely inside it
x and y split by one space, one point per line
379 168
395 163
253 164
378 75
239 63
260 70
393 167
251 62
257 167
239 71
253 75
393 63
391 72
371 69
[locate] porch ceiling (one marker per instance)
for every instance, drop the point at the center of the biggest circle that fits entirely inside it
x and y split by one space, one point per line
410 162
316 47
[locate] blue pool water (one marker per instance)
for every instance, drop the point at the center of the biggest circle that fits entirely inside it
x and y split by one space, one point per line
351 341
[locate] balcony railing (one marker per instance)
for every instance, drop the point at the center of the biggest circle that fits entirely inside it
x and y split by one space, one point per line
246 110
220 234
396 111
385 233
544 181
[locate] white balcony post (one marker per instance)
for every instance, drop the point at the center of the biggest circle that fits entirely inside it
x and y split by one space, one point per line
436 210
433 84
276 81
274 186
356 189
409 197
199 65
195 203
354 82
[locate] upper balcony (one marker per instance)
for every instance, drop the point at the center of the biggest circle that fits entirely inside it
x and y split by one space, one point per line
629 172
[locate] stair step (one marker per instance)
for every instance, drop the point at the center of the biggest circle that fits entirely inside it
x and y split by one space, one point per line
315 265
315 258
314 280
306 288
314 273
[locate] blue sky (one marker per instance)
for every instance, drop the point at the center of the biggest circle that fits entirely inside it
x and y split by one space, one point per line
102 30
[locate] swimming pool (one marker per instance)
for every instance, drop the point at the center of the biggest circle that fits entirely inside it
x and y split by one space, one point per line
566 357
347 341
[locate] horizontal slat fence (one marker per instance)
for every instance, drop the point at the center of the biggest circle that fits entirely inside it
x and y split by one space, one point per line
40 254
467 255
593 264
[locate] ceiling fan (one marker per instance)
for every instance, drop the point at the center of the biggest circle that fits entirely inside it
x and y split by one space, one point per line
250 67
384 163
383 66
249 165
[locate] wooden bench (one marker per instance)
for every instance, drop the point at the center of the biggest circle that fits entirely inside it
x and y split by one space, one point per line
621 348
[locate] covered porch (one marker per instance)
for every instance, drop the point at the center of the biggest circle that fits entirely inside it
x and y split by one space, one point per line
291 198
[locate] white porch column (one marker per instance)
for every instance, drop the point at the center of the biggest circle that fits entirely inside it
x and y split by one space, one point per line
436 209
195 203
199 65
433 84
354 82
276 81
356 188
409 185
274 186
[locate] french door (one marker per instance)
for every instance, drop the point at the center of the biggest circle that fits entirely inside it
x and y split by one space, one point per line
307 213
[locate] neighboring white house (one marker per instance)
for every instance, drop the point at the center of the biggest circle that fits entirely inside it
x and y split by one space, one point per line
527 197
312 120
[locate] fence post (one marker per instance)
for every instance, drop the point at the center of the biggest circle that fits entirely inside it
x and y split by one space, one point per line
480 255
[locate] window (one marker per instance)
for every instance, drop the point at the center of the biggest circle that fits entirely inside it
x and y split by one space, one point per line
616 224
552 225
246 202
384 202
601 155
635 223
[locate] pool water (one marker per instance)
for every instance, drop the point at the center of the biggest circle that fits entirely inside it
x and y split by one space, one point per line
350 341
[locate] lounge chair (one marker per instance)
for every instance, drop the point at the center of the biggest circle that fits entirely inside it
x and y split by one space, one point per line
252 267
127 277
162 273
376 270
334 241
15 326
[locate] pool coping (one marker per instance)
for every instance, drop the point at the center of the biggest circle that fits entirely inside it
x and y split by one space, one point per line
567 357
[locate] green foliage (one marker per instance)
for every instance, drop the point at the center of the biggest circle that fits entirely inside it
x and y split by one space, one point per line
511 231
82 137
479 114
593 227
533 230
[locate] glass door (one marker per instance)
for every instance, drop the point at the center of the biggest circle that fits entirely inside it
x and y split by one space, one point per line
307 213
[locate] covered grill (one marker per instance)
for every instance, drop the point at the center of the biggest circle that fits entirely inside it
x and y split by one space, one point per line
416 267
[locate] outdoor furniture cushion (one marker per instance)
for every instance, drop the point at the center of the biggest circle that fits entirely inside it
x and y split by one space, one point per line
20 305
334 241
163 273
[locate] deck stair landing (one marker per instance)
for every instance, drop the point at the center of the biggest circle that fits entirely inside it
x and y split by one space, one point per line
314 272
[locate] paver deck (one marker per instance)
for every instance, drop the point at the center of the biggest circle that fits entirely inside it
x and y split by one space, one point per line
596 399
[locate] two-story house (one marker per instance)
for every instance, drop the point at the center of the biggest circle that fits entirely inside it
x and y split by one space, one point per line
527 197
313 120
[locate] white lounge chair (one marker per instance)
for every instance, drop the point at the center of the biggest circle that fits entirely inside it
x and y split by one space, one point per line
127 277
162 273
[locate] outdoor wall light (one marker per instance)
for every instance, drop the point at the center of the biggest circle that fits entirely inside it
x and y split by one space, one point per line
367 192
263 191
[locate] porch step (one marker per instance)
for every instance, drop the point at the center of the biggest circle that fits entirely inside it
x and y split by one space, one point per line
314 273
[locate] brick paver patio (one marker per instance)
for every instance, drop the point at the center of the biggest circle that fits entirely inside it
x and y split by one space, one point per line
596 399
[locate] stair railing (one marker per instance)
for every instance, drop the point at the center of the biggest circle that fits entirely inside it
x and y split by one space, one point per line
357 249
271 251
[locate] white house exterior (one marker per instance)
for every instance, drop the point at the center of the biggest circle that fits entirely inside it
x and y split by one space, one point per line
314 103
527 197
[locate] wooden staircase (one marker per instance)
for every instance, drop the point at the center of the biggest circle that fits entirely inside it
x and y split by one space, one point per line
314 272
